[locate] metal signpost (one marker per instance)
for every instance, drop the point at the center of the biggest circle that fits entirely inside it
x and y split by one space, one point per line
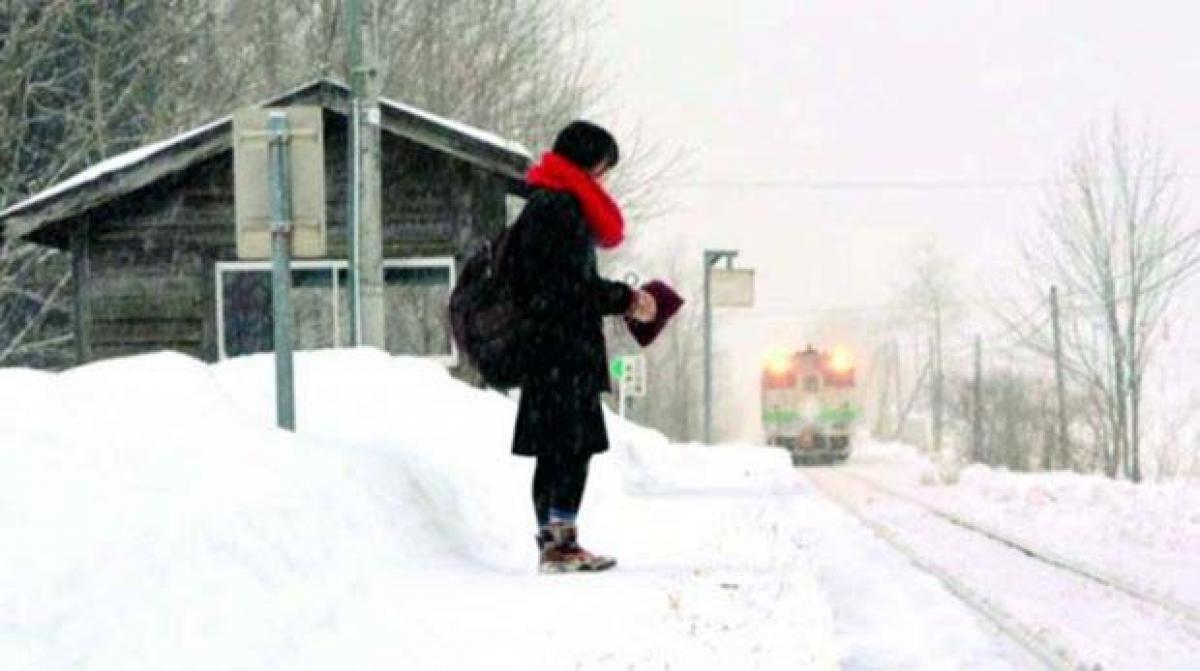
289 209
727 288
281 269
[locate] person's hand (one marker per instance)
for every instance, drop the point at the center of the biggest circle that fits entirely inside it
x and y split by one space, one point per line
643 307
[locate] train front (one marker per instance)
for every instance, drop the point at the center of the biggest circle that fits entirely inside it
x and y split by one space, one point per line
809 404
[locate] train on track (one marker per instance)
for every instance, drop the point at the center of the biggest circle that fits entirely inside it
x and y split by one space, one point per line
810 405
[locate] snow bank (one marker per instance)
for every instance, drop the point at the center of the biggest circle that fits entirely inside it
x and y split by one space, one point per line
153 517
134 491
1148 532
1151 530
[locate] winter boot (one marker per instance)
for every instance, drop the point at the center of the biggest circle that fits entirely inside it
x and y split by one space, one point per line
561 553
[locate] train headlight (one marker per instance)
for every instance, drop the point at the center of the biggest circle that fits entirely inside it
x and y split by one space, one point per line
840 361
779 362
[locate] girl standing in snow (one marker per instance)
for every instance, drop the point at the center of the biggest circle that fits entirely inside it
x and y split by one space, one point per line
553 256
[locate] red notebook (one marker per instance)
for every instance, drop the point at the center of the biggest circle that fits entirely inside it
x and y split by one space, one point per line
668 303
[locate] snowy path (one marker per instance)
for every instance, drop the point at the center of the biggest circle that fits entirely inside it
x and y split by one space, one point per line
703 583
1084 622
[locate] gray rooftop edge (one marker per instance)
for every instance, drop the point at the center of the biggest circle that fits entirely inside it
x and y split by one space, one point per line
473 139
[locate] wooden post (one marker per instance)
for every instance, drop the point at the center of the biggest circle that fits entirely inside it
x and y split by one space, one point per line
1060 384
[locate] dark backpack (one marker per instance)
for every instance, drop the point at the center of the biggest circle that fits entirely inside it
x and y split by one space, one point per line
488 325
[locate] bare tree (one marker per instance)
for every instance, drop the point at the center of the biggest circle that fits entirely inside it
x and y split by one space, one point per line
78 82
520 68
1115 242
35 309
926 303
1019 415
646 165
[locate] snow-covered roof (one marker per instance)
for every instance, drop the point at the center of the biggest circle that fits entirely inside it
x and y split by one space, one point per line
511 146
111 165
511 152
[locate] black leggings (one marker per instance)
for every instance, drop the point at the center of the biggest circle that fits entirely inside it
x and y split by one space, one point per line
558 482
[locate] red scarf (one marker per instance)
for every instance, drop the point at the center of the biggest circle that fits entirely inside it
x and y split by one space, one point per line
599 209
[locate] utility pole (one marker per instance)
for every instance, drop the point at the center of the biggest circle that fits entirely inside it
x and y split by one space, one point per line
884 381
977 418
935 355
1060 384
711 257
899 426
364 221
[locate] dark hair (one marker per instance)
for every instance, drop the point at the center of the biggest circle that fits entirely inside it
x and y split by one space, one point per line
585 144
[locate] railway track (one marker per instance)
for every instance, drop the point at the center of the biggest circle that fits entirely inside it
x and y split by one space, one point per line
1055 644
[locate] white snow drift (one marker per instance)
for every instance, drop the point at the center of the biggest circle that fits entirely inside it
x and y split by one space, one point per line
152 517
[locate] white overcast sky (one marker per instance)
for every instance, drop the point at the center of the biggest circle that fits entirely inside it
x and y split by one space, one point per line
833 91
829 92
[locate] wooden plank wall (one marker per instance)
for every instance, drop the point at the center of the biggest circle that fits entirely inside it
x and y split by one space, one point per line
144 289
151 255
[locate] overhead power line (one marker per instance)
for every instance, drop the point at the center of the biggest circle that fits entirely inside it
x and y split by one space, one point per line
863 185
937 184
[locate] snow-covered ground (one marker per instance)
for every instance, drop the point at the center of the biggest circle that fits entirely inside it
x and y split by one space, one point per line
153 518
1072 620
1148 534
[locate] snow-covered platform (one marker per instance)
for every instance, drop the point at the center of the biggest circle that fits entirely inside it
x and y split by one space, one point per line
153 518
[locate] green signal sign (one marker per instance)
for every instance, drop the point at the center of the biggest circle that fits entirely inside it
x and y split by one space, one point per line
617 367
629 371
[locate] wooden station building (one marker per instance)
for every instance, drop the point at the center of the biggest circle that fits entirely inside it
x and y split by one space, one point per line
152 236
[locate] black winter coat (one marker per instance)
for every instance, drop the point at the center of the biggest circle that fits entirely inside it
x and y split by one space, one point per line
552 266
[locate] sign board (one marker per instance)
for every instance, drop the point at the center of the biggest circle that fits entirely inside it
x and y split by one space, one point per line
732 288
252 192
630 373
